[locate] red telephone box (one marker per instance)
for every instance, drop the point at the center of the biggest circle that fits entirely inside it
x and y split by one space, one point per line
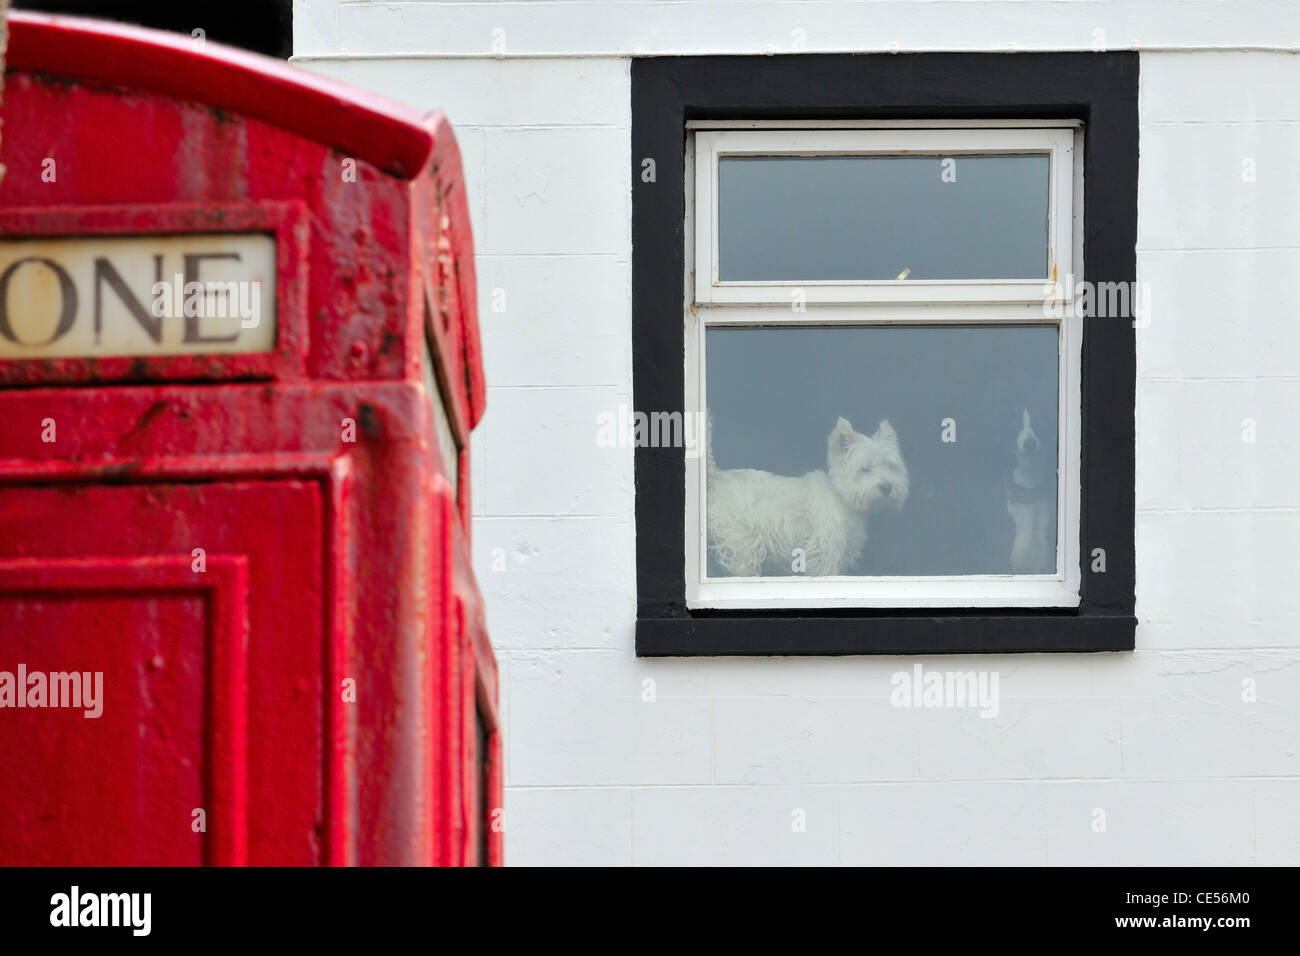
239 368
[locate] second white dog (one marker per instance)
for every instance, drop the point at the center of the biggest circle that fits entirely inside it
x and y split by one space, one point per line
761 523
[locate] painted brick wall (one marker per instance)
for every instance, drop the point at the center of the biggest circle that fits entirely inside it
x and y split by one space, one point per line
714 769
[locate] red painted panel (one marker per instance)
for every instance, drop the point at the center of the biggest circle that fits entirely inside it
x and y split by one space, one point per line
170 646
178 691
456 248
78 791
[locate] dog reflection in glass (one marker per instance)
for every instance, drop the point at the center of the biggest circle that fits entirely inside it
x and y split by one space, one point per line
1031 502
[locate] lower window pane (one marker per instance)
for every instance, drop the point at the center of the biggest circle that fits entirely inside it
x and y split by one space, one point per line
882 450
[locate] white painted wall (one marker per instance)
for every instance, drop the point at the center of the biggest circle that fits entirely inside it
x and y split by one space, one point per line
1185 770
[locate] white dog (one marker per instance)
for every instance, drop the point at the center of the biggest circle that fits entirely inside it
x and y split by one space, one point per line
1031 502
759 522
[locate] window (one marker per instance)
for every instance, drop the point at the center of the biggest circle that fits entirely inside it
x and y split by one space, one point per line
431 373
881 215
448 448
888 396
911 439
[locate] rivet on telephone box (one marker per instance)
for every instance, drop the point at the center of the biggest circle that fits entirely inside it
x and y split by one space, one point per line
239 368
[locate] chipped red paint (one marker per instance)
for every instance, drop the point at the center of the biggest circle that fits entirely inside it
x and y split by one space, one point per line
325 560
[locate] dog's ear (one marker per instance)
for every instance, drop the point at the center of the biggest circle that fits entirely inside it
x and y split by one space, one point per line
885 431
842 436
1025 419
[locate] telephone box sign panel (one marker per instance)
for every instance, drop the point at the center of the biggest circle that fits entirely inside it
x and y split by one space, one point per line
101 296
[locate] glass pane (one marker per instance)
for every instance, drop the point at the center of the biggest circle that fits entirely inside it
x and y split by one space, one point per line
447 445
800 218
882 450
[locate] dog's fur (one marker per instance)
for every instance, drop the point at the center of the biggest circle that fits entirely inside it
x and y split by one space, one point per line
1031 503
757 519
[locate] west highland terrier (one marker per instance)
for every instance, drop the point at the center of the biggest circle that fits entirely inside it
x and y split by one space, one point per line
758 521
1031 502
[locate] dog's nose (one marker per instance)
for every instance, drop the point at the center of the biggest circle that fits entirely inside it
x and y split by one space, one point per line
886 487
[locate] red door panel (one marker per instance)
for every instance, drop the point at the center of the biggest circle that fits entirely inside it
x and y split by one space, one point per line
212 694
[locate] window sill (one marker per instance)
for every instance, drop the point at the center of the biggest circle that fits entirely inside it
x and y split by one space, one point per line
733 634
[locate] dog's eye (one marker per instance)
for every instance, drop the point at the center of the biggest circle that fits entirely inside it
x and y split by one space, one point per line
866 470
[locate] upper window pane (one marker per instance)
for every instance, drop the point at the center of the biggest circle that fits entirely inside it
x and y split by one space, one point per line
847 218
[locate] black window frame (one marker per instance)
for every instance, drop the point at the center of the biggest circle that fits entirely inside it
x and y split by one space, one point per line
1101 90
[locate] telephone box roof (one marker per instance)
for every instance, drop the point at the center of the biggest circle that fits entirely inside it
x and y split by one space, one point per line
396 138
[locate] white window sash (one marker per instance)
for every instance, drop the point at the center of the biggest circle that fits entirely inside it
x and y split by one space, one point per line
960 591
1057 143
